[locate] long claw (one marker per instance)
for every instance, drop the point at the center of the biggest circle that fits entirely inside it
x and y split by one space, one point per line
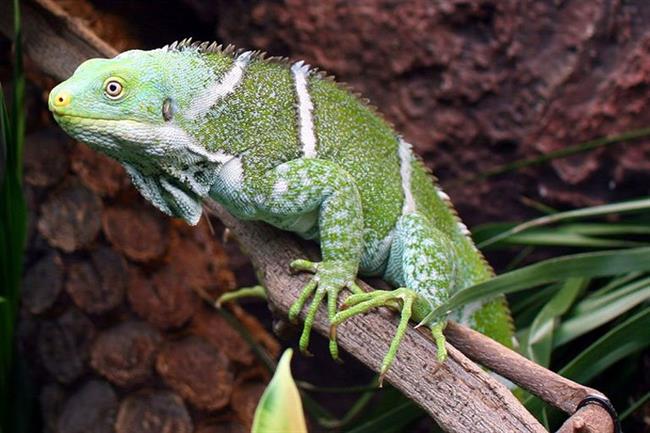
357 298
243 292
332 332
355 288
380 380
309 318
332 295
297 306
361 303
399 334
373 299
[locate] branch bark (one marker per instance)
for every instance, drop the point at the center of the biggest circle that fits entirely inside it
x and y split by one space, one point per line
458 394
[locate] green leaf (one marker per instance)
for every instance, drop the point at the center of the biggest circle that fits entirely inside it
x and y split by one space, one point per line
592 313
624 207
562 153
602 229
623 340
585 265
18 106
280 408
561 237
634 406
626 338
521 302
528 304
614 284
537 343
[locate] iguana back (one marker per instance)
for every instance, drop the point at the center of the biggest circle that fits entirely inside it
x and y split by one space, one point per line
285 144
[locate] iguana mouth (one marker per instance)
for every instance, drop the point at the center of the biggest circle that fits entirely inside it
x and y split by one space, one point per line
75 116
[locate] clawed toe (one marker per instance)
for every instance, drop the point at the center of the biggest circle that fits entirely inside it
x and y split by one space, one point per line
329 280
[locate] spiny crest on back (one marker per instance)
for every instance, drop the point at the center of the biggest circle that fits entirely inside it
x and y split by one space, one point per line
217 48
205 47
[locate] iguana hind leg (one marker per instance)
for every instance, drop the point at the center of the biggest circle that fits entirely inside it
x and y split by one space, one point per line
422 264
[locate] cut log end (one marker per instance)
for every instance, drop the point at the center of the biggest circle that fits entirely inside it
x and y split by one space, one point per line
92 409
125 354
153 411
197 371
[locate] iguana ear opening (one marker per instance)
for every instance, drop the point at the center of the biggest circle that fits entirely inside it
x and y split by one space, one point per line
168 109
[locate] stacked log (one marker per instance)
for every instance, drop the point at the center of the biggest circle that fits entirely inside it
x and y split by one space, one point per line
112 316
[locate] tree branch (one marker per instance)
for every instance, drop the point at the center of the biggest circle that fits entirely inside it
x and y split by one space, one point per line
458 394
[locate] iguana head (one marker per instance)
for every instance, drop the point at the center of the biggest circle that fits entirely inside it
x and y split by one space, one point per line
129 108
117 105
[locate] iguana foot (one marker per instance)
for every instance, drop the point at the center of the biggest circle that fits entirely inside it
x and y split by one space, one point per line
241 293
330 278
404 297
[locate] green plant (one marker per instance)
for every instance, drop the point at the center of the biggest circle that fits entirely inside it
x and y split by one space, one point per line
581 314
280 408
13 217
577 314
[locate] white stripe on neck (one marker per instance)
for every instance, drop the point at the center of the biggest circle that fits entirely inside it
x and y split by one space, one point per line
203 102
305 107
405 157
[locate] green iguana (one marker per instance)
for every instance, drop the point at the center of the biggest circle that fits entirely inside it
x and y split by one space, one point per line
285 144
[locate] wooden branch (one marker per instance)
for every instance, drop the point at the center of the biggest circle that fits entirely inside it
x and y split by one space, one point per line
416 374
560 392
589 419
458 394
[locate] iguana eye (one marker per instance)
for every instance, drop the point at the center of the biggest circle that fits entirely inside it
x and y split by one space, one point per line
113 89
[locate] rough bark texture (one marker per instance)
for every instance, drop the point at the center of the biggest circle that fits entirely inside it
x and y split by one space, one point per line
456 393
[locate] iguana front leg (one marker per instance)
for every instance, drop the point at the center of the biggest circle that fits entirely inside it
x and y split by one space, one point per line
318 200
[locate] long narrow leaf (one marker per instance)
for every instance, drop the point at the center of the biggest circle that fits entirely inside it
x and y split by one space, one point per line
393 420
538 343
585 265
591 318
602 229
614 284
564 239
563 153
627 338
18 106
5 138
521 302
624 207
634 406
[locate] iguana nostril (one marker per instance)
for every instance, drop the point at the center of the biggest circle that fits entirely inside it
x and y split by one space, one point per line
62 99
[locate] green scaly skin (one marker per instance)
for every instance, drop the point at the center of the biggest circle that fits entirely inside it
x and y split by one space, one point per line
285 144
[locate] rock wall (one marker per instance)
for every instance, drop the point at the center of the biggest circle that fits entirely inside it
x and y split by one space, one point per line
476 84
